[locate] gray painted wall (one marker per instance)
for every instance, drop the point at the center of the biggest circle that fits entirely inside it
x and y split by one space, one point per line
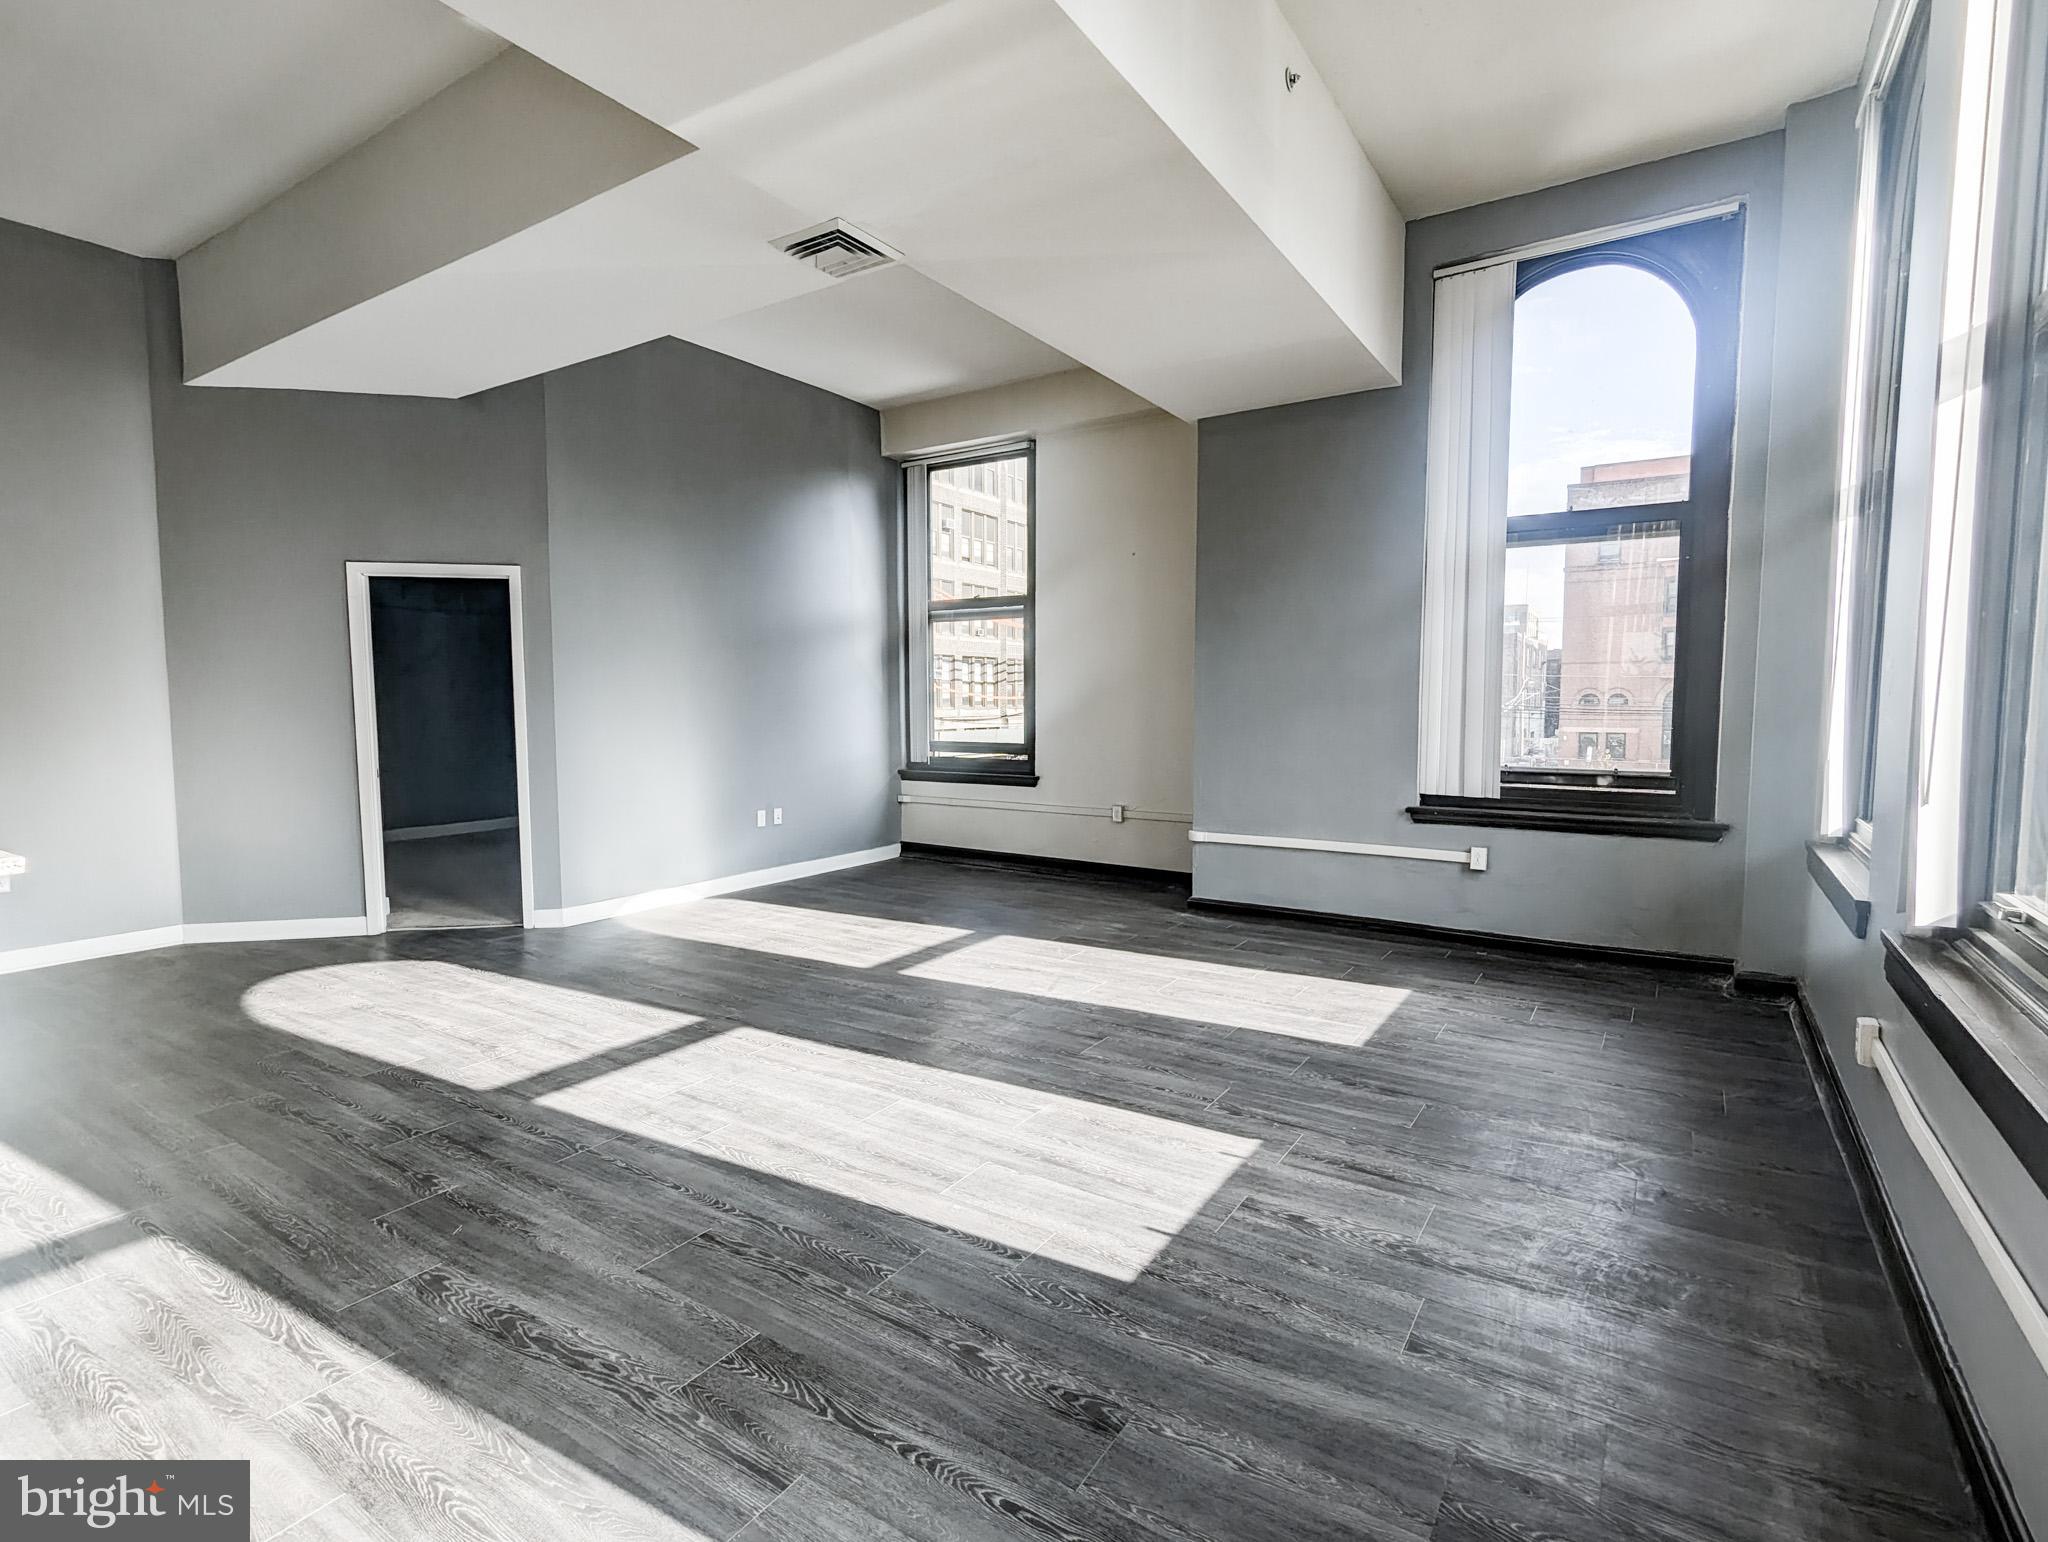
85 734
442 650
1789 926
725 620
1799 514
1308 624
263 496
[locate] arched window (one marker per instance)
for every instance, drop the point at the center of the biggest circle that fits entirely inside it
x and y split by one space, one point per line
1620 441
1605 356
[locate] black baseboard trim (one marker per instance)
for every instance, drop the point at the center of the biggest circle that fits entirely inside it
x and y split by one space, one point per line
1982 1470
1452 936
1760 986
1020 859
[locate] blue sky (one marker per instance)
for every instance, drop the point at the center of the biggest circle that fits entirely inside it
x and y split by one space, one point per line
1603 372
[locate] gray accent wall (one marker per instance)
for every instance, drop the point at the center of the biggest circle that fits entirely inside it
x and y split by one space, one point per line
263 498
85 731
725 619
1308 624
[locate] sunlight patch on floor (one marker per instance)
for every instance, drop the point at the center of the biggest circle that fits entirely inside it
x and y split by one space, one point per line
467 1026
1074 1181
1226 995
106 1370
825 936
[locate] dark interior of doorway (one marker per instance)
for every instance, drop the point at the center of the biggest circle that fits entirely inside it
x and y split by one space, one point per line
441 649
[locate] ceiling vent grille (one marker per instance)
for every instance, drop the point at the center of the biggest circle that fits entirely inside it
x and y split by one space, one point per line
836 249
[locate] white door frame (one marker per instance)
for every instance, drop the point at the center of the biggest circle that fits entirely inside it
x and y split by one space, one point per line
363 680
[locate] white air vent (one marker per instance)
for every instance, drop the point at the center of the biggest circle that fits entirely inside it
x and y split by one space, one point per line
836 249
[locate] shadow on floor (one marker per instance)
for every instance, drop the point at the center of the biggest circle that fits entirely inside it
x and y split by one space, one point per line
921 1202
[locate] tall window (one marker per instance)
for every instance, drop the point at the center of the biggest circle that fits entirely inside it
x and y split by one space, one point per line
969 650
1878 348
1618 450
2007 857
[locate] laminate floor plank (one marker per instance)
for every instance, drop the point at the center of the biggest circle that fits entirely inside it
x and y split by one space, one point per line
946 1201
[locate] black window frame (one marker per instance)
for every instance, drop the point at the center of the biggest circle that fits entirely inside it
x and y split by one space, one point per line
963 760
1702 260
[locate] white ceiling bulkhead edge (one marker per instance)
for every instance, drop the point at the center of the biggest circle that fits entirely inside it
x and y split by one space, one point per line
1126 184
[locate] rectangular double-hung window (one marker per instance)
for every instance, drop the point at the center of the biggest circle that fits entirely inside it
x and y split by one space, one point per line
1581 442
2002 895
968 655
1877 353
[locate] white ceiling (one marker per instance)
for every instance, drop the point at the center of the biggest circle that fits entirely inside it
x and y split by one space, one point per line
1153 203
147 125
887 338
1054 203
1461 101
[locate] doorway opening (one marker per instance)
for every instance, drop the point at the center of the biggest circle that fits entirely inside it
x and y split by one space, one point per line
438 664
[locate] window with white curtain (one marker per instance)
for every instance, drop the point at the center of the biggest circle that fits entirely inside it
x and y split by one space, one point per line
1580 454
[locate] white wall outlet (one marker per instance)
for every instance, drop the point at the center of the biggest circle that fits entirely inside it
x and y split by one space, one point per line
1116 813
760 819
1868 1031
778 816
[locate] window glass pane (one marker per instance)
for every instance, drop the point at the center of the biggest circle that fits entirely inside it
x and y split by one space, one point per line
1601 415
2030 875
1588 655
980 528
978 679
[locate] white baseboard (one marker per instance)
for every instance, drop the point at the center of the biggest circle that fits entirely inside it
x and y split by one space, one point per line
16 960
275 931
354 926
464 827
654 899
50 954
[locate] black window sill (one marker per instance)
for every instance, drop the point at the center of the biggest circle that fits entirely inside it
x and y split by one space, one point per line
1844 877
1003 776
1997 1047
1567 821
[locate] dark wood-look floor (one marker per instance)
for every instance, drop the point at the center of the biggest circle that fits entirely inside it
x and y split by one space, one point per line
948 1202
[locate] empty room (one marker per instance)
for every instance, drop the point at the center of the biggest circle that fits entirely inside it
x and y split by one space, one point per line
963 770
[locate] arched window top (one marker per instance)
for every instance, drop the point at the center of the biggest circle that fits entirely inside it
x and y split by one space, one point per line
1617 698
1589 698
1601 415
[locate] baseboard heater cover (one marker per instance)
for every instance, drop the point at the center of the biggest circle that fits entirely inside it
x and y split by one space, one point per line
2018 1295
1117 813
1472 857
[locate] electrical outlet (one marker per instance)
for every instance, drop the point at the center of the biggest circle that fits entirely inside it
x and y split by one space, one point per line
760 819
1116 813
778 816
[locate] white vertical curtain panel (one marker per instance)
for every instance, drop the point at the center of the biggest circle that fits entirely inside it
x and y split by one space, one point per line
1464 577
